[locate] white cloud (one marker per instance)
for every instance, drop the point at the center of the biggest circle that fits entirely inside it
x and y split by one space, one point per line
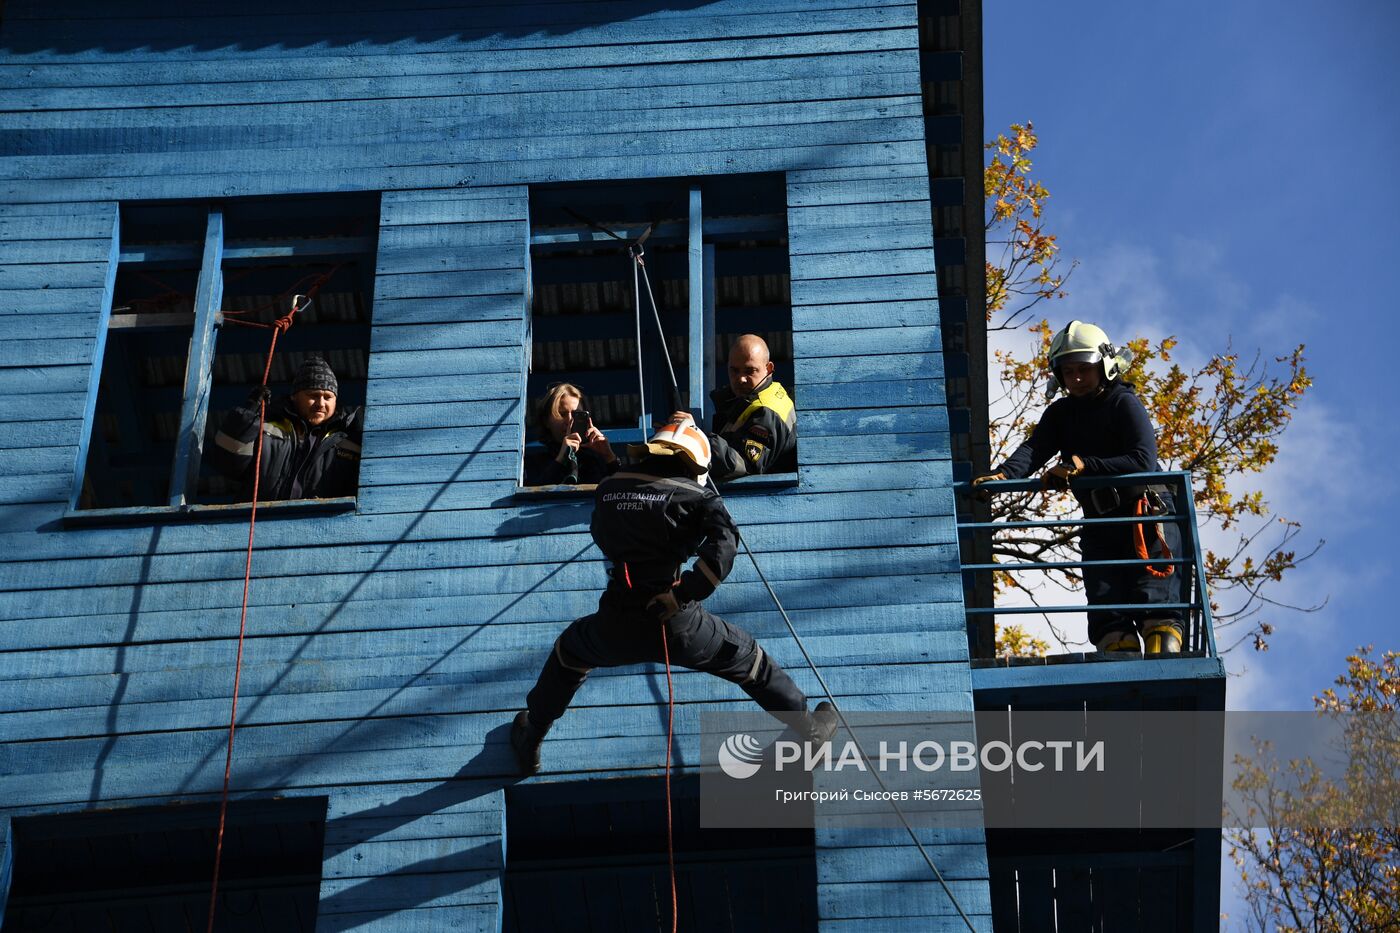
1122 289
1283 324
1308 482
1197 265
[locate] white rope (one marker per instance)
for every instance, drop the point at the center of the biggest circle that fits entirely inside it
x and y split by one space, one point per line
661 331
641 390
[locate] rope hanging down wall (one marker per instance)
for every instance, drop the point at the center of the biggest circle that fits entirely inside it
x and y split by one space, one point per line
278 327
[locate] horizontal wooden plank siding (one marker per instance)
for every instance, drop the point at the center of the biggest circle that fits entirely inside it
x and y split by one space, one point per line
390 645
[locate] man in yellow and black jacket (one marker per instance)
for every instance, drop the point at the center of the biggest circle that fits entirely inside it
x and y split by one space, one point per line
754 429
311 448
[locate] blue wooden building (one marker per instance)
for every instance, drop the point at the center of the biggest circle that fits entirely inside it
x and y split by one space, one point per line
446 178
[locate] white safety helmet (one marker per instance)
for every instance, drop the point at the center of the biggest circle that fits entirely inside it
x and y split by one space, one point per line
1085 343
680 437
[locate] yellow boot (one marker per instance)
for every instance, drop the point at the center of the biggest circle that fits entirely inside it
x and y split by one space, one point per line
1161 637
1118 641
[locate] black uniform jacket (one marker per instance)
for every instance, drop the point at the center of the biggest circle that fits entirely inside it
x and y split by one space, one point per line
298 461
752 434
650 519
1110 431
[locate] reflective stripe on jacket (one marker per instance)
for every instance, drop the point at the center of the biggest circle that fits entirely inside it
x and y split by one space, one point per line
298 461
752 434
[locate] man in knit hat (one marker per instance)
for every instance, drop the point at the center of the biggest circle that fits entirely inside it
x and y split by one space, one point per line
311 447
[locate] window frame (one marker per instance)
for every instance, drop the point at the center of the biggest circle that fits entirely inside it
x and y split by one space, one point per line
188 455
701 315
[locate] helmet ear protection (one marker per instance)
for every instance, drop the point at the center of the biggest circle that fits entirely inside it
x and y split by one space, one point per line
1085 343
1115 361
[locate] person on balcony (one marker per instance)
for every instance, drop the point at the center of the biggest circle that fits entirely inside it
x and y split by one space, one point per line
574 451
754 429
648 521
1101 429
311 447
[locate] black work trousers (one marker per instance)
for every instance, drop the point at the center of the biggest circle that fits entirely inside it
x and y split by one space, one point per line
621 632
1128 584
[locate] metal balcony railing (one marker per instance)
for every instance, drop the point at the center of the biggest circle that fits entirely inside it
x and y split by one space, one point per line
975 538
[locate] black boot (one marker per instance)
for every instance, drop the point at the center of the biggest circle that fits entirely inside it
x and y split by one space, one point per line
821 723
525 741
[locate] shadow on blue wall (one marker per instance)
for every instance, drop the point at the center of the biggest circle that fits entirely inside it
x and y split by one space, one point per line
391 887
370 726
123 676
99 26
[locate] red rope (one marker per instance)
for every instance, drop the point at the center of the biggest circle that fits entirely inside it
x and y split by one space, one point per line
316 279
278 327
670 733
1140 543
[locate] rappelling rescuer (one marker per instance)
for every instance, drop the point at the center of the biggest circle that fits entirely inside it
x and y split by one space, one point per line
649 520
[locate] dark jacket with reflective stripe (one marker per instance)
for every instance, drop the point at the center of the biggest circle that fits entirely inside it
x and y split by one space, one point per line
651 519
753 434
298 461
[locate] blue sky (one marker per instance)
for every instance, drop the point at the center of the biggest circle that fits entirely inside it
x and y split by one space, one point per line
1225 171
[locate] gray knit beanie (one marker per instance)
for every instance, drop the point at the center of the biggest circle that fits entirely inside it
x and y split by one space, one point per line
315 373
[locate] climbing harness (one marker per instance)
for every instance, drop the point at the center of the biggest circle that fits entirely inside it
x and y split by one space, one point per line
1143 509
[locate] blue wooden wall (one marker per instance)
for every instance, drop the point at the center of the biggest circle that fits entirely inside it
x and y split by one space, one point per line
391 646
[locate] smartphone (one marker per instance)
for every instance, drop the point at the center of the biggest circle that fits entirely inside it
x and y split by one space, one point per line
582 421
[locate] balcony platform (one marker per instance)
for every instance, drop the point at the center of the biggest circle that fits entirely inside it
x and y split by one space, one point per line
1190 680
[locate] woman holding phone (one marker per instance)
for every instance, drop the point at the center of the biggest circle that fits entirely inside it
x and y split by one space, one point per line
575 451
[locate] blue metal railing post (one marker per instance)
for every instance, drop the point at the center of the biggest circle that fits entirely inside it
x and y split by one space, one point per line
1200 593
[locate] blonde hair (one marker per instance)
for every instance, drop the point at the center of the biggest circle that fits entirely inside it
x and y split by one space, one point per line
548 404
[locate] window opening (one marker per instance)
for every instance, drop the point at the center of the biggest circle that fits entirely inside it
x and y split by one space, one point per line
174 364
592 856
148 869
725 236
132 443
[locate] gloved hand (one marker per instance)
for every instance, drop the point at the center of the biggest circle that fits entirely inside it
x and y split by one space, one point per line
984 495
258 396
663 606
1059 475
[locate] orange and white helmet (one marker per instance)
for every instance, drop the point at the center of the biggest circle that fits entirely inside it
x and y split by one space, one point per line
680 436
